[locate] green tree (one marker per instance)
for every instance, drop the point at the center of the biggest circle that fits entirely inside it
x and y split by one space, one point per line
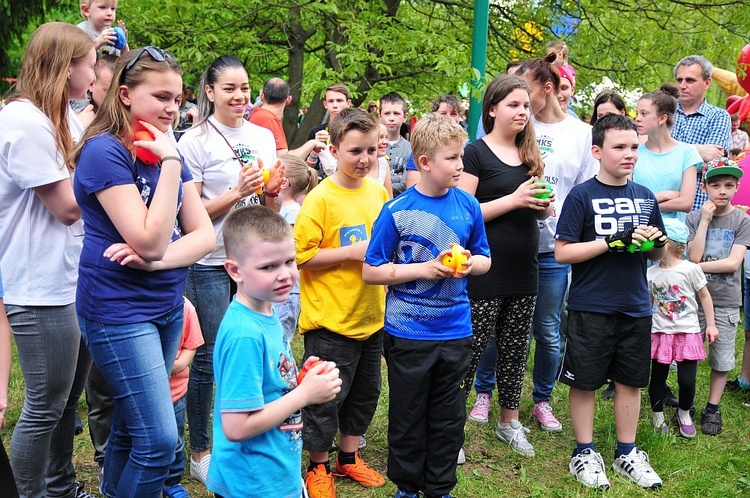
638 43
373 47
420 48
14 17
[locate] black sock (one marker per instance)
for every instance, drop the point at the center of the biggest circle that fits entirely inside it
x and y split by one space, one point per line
346 458
315 464
711 408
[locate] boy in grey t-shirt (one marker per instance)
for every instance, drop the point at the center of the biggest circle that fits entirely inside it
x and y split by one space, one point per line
719 236
393 114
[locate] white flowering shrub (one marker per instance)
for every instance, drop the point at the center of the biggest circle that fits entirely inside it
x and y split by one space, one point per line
583 99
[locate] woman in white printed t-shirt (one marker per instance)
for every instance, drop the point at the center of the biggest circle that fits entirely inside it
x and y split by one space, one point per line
222 151
565 143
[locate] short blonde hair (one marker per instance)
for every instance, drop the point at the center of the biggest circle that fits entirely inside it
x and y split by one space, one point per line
558 46
247 225
676 248
433 132
89 3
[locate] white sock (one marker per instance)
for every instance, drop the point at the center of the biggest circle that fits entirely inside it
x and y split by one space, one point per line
684 416
657 419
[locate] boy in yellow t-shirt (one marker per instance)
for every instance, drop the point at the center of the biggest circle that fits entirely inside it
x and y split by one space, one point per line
341 316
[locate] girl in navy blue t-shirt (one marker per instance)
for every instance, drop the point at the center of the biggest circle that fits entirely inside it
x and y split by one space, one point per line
144 224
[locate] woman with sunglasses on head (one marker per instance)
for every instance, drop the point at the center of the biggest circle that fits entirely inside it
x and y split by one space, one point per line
145 224
223 152
39 247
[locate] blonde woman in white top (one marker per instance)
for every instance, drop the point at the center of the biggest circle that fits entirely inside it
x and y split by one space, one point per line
40 242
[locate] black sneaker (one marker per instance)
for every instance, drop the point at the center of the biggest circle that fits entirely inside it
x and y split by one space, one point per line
734 386
79 425
81 490
609 391
669 398
711 423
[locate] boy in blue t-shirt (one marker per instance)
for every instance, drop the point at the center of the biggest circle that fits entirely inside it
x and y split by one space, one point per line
609 309
428 319
257 419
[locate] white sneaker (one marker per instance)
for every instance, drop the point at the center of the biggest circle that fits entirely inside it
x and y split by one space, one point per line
199 470
461 457
515 435
588 467
635 467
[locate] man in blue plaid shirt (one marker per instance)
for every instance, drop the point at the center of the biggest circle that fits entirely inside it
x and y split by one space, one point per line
696 121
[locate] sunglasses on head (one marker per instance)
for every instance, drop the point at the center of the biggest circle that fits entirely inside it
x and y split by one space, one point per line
155 53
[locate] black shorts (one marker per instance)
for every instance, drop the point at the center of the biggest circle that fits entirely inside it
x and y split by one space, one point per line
353 408
601 346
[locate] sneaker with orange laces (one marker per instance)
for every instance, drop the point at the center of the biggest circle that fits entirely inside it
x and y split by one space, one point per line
319 483
361 472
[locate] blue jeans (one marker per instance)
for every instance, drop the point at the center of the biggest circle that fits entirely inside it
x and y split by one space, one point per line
484 382
135 360
208 288
288 312
178 464
55 365
553 285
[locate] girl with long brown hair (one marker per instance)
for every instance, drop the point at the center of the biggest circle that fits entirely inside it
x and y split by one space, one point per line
503 170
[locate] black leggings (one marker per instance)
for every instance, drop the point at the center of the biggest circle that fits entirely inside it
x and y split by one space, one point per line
686 371
510 318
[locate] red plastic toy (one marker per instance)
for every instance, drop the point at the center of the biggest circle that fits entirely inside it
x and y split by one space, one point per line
306 368
145 155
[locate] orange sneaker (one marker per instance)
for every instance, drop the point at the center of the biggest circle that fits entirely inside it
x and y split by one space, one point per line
319 483
360 472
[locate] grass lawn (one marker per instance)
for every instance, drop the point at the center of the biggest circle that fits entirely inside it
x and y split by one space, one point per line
704 466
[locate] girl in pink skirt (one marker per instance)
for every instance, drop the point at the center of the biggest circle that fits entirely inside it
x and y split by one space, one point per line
675 283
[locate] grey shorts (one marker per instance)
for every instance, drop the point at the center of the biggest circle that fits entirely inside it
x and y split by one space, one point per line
721 352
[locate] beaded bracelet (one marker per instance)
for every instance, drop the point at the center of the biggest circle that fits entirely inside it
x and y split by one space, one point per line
171 158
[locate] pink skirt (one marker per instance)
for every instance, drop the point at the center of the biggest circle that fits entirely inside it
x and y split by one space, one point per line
677 347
